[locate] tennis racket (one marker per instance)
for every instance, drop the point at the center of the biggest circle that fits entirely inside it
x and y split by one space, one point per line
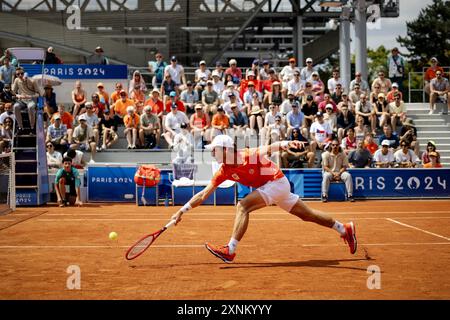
141 245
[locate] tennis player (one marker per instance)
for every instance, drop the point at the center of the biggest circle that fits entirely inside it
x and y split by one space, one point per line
251 167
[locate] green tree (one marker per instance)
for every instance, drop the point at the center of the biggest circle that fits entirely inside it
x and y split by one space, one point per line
428 35
377 61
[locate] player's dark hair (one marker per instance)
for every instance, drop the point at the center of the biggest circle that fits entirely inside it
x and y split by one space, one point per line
67 159
71 154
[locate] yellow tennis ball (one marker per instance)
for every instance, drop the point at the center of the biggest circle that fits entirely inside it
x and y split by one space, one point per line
113 235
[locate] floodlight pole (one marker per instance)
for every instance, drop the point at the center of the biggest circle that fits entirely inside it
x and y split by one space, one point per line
344 48
299 41
361 38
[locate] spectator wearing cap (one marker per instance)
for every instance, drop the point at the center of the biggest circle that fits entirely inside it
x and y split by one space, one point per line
202 72
119 109
230 89
93 121
131 121
296 119
384 83
431 147
345 120
103 94
360 157
172 123
295 85
157 67
219 70
97 57
439 89
248 94
156 104
233 99
54 158
384 157
97 106
176 71
360 82
433 156
330 117
255 113
318 87
175 99
286 105
108 129
57 134
51 58
264 71
217 83
367 111
307 71
405 157
287 73
326 101
397 111
137 81
115 95
200 126
168 85
333 81
320 132
83 137
234 71
238 122
430 73
396 67
7 71
275 96
149 129
334 168
408 133
381 107
309 109
210 99
66 119
220 123
253 71
190 98
390 96
138 96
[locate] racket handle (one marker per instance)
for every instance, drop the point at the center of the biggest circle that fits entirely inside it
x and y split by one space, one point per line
171 223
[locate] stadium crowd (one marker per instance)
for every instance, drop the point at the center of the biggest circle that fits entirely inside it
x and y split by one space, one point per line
366 122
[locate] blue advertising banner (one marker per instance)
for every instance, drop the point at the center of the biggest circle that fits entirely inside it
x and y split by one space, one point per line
111 183
411 183
79 71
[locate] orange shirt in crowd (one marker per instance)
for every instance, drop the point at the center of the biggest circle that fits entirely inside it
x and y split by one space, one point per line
66 118
131 121
180 106
430 165
115 96
255 170
157 106
431 73
105 96
372 147
220 120
120 107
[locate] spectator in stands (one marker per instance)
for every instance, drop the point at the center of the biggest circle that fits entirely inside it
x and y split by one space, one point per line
238 122
345 100
295 85
176 72
97 107
138 96
7 72
109 130
430 73
202 72
390 96
119 109
103 95
93 121
306 72
77 158
131 121
294 158
433 156
68 175
27 92
270 117
336 96
345 120
254 69
66 119
333 81
440 89
175 99
256 113
287 73
296 119
54 158
409 134
397 110
233 99
358 81
57 134
360 157
384 157
79 98
385 83
157 67
12 58
370 144
168 85
330 117
218 85
149 129
355 94
200 127
6 134
49 96
349 142
306 92
98 57
318 87
7 95
172 123
226 94
248 95
263 73
396 67
286 105
373 97
431 147
51 57
190 98
405 157
275 96
155 103
276 131
7 113
390 136
334 168
382 110
360 129
235 72
273 77
219 70
83 138
326 101
367 111
210 99
183 144
116 93
320 132
220 123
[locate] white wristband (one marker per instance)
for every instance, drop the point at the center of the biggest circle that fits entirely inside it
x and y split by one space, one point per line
186 207
284 144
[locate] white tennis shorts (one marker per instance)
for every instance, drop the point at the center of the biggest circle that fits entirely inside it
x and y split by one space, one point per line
278 192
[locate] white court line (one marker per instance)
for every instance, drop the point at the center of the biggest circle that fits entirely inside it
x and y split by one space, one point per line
382 244
412 227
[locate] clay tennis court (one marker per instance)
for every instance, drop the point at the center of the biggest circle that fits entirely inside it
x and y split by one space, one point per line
280 257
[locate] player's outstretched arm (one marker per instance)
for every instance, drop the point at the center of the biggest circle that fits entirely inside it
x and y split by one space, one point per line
194 202
281 145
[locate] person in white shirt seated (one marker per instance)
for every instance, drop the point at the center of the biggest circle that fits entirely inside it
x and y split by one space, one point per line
183 145
77 158
218 85
405 157
54 158
384 157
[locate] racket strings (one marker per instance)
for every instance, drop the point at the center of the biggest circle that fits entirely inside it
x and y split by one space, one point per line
140 247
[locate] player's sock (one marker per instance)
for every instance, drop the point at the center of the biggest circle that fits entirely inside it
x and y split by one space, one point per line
232 245
339 227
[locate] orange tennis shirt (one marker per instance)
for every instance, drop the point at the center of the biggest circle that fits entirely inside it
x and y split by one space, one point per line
255 171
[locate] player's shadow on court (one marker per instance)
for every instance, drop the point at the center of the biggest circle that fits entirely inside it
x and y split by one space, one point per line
307 263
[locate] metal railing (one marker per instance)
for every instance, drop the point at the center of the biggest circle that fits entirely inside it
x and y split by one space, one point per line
415 77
